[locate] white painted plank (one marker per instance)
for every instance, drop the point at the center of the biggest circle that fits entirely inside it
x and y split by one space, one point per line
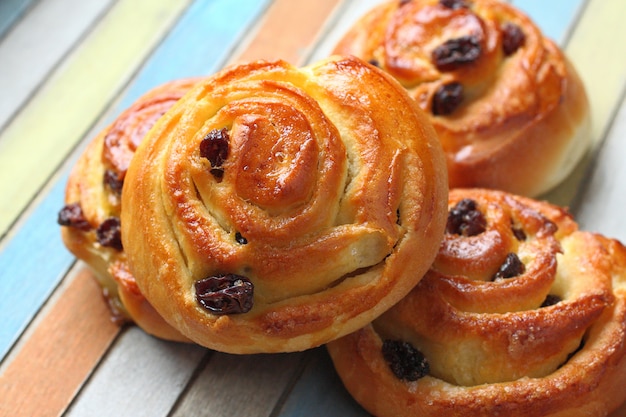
38 43
601 204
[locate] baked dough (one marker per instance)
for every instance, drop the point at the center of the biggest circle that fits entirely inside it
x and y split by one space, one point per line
93 204
521 314
276 208
510 110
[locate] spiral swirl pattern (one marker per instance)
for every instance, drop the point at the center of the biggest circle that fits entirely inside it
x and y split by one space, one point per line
316 184
509 108
541 338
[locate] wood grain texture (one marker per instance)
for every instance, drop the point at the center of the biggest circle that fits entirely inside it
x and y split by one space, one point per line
35 143
60 353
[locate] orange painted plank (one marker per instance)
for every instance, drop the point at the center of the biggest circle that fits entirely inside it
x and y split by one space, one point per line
60 353
288 30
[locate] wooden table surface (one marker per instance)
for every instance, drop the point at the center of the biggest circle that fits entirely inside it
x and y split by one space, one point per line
67 67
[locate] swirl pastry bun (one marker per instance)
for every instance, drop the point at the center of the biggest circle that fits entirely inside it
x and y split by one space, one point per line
91 216
276 208
521 314
508 106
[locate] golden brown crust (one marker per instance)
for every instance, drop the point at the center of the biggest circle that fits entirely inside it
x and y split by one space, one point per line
505 346
95 185
333 177
523 122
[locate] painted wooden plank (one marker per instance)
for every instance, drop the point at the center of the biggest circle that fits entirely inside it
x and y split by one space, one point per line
42 378
10 12
591 48
348 13
287 32
34 143
554 17
99 385
31 267
199 44
240 385
37 44
320 392
143 376
600 205
37 238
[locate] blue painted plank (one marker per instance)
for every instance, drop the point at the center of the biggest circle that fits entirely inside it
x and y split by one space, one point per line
31 266
33 260
10 12
199 44
320 392
554 17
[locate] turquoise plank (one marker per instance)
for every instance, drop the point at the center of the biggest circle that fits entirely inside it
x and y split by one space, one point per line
33 260
320 392
554 17
31 266
10 12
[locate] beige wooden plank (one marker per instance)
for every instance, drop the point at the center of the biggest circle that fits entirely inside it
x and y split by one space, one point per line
38 43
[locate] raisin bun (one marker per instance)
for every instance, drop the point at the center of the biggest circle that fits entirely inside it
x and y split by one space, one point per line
276 208
521 314
91 216
509 108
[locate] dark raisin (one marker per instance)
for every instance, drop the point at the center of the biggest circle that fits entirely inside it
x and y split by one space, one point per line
72 215
214 147
465 219
453 4
240 239
447 98
551 300
225 294
109 233
518 233
398 218
114 181
403 2
512 38
511 267
404 360
374 62
456 53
